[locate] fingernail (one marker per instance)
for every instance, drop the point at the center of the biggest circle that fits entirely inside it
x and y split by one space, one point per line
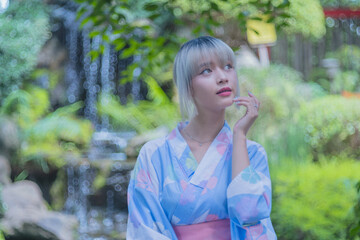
250 93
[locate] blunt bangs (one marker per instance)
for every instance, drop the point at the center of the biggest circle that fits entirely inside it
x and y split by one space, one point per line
188 63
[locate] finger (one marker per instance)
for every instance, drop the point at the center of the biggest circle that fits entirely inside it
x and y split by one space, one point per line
256 102
251 94
251 111
241 98
248 104
252 105
242 102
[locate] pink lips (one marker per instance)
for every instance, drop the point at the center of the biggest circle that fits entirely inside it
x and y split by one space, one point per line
226 91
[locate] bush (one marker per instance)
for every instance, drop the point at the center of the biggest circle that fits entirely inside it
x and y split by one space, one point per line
24 27
281 92
354 229
347 78
46 137
330 126
144 115
348 56
314 201
346 81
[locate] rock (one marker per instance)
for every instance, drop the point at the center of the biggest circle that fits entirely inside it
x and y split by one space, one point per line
9 139
26 215
134 144
5 171
52 55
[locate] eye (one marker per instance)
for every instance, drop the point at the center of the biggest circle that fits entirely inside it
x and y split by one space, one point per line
206 71
228 66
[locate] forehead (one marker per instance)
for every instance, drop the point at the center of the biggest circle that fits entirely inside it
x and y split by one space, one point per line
199 57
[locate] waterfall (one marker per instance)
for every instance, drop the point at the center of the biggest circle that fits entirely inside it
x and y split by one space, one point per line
105 86
86 81
92 87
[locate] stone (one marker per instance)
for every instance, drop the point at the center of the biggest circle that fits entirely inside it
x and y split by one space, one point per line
26 215
5 171
9 139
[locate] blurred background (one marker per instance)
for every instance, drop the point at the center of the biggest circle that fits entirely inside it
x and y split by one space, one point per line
84 83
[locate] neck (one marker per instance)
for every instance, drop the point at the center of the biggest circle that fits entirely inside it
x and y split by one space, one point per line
207 125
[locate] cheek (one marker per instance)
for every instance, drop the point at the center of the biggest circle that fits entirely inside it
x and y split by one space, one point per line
235 84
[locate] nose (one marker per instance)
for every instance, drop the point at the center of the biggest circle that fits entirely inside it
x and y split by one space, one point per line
221 76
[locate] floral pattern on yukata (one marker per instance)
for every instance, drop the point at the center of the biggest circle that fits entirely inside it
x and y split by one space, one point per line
169 188
250 175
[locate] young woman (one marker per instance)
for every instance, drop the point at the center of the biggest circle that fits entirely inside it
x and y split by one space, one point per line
203 180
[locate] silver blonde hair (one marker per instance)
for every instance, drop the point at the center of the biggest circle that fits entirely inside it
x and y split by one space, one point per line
187 66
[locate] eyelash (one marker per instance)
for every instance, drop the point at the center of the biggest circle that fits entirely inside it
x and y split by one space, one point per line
208 69
229 65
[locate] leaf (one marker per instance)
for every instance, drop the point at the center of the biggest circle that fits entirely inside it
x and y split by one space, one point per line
154 16
197 29
84 22
94 54
22 176
119 44
271 19
285 15
285 4
151 7
94 34
256 18
106 38
214 6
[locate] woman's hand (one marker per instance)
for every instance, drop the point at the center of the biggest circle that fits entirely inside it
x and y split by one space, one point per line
252 105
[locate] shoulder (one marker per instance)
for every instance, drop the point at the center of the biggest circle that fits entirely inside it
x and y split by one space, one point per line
145 157
152 146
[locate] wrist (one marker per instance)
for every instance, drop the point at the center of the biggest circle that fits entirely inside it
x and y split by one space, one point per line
238 135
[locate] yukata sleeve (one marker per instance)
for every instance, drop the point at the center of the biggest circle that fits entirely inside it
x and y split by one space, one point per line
249 199
146 218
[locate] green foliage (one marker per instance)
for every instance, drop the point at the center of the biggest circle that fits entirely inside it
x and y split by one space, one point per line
348 78
58 190
354 229
24 27
331 126
313 201
149 28
143 115
308 23
47 137
319 76
346 81
281 92
22 176
348 56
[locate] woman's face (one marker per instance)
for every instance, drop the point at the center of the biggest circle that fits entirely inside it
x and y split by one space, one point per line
214 86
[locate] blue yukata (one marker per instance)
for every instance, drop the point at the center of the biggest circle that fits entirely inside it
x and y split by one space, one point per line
169 188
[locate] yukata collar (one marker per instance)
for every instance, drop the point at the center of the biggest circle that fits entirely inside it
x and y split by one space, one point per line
212 157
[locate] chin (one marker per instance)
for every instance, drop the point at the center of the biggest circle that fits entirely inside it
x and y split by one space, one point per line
228 103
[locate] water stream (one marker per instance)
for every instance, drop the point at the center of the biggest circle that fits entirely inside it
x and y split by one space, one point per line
102 213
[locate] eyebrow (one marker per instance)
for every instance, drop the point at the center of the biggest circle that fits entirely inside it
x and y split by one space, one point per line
205 64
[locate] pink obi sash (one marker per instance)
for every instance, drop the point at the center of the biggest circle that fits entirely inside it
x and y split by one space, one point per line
213 230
